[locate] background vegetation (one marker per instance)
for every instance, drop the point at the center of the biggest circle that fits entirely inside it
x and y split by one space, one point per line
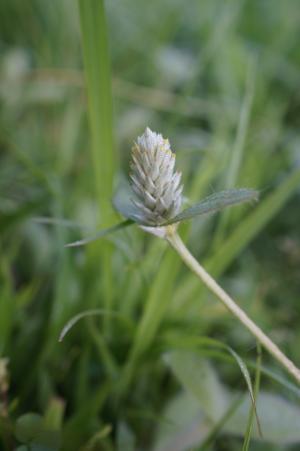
221 80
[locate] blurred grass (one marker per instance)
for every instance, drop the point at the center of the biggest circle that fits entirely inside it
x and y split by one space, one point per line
63 113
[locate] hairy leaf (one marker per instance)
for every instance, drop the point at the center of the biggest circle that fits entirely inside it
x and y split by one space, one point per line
216 202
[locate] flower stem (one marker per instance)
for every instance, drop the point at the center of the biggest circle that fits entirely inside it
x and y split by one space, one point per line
177 244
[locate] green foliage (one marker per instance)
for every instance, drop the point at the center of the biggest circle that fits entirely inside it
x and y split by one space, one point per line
79 82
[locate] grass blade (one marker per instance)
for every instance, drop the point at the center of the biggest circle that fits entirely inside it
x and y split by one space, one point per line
246 375
98 84
256 390
88 313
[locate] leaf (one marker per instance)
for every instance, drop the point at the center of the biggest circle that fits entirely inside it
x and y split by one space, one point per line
31 428
280 419
247 378
192 342
199 378
28 427
244 233
101 234
97 70
122 202
217 427
185 426
216 202
188 362
252 411
187 413
87 313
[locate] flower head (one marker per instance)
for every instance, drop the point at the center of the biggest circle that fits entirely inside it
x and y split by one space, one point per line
154 179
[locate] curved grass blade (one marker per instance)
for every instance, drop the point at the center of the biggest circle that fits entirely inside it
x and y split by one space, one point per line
94 312
245 373
207 342
101 233
206 445
216 202
247 437
211 342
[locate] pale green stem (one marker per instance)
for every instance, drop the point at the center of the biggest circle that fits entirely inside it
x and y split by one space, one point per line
176 242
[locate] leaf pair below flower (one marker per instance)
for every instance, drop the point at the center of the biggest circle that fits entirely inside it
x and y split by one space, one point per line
211 204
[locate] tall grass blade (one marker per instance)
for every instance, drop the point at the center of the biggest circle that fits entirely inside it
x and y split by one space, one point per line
98 84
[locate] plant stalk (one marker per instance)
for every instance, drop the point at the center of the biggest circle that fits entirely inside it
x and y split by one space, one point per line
178 245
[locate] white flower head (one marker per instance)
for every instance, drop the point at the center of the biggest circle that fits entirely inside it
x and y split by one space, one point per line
154 179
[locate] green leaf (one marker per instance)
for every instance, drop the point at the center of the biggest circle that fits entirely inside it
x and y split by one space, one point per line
216 202
199 378
280 419
247 378
28 427
94 312
243 234
102 233
219 350
98 84
186 426
123 204
187 364
96 57
252 412
31 429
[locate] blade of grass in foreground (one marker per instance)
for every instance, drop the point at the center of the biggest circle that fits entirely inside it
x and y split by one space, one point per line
98 84
247 437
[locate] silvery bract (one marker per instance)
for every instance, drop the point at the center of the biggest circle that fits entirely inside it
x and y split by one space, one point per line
154 179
